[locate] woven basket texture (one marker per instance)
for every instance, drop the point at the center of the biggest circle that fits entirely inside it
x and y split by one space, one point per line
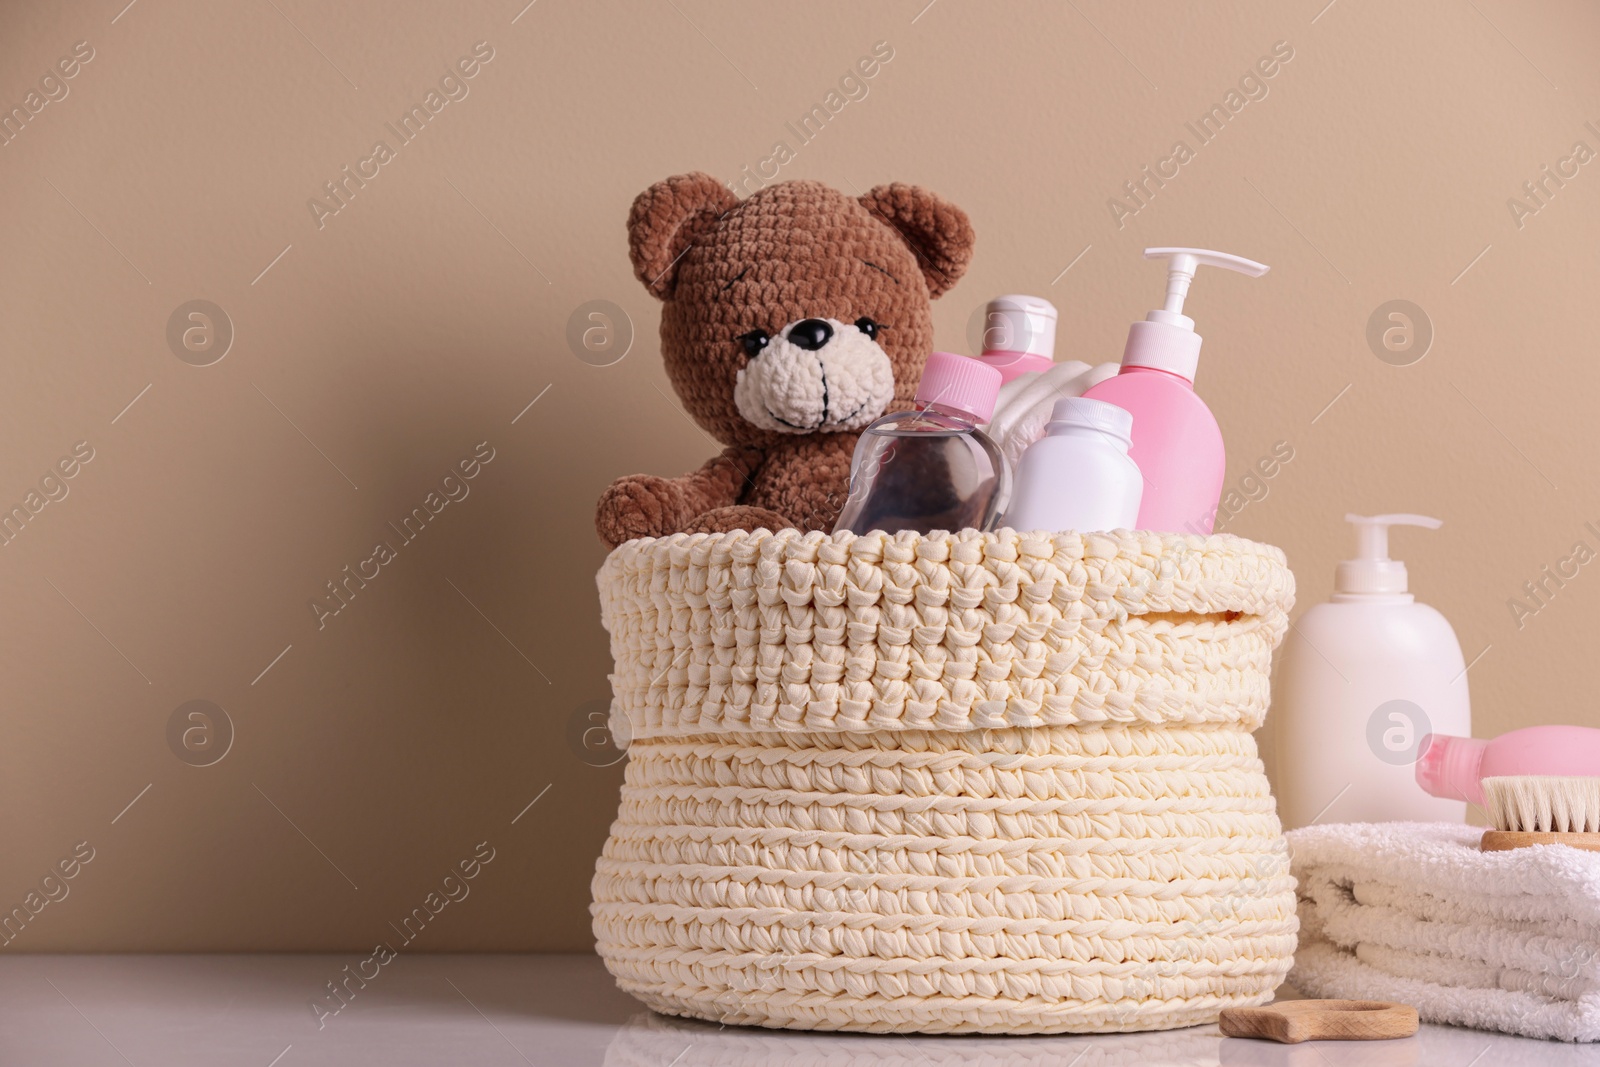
954 783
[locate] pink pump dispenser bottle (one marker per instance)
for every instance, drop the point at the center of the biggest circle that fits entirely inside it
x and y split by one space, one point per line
1176 441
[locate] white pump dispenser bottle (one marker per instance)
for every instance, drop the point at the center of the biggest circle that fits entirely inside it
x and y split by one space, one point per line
1363 680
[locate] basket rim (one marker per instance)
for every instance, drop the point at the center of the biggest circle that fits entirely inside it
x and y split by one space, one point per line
1221 573
790 631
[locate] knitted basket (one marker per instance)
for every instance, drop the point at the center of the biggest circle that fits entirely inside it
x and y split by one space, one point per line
974 782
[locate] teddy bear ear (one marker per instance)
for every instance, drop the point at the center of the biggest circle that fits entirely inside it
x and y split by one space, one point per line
666 219
937 231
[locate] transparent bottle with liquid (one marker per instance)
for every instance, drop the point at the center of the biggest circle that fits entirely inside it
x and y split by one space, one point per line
931 468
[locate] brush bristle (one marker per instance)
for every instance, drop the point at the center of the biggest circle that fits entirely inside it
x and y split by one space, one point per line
1537 803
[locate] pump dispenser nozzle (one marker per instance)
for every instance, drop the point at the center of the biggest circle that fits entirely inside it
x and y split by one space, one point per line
1166 340
1372 571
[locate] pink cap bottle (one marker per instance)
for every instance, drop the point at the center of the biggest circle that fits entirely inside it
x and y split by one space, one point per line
931 468
1019 335
959 384
1455 767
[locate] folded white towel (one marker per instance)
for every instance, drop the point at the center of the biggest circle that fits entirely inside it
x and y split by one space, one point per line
1023 406
1414 912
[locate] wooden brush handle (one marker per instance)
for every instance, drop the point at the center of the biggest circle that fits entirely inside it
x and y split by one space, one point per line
1294 1021
1506 840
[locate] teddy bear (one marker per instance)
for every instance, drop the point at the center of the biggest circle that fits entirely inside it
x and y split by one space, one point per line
790 321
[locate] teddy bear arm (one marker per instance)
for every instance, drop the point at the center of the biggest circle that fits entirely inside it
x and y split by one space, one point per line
737 517
722 480
643 505
640 505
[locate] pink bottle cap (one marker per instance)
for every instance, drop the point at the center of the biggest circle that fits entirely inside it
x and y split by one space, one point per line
1451 767
959 383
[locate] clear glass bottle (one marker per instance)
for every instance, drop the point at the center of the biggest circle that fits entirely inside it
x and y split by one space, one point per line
931 468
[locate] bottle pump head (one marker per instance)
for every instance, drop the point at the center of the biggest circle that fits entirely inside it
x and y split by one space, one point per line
1372 571
1165 339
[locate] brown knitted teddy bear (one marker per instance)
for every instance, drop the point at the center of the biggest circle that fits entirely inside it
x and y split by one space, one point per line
790 321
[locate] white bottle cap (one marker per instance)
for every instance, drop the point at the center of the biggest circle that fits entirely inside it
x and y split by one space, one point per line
1081 411
1166 340
1018 323
1372 571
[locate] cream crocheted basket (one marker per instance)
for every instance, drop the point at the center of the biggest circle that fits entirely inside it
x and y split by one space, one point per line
956 783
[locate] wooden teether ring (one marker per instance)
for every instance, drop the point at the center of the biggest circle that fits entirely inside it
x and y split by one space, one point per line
1294 1021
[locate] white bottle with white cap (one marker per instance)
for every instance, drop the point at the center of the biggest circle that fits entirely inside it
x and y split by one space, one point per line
1363 679
1078 476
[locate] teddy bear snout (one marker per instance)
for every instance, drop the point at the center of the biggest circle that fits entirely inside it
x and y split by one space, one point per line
816 375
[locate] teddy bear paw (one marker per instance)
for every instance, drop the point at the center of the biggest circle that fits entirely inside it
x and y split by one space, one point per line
736 517
640 505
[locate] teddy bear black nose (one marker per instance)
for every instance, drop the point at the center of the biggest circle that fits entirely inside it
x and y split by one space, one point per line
810 334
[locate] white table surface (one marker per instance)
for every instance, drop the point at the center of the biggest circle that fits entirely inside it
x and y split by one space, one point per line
254 1011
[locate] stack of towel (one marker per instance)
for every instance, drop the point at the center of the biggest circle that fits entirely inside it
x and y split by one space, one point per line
1414 912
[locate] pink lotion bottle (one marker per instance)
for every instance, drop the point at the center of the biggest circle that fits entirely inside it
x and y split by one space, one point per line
1176 441
1019 336
1455 767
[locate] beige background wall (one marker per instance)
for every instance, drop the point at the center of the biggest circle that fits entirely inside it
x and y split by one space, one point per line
374 352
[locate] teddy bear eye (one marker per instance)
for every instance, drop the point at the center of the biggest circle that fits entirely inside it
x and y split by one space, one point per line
754 342
868 327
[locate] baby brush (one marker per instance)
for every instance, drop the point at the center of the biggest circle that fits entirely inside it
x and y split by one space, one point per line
1542 810
1539 785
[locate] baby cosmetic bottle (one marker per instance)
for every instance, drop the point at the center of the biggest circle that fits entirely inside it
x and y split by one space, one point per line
931 468
1019 336
1455 767
1363 681
1078 476
1176 441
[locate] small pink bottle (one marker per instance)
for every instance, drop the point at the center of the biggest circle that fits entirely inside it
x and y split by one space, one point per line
1455 767
1176 441
1019 336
